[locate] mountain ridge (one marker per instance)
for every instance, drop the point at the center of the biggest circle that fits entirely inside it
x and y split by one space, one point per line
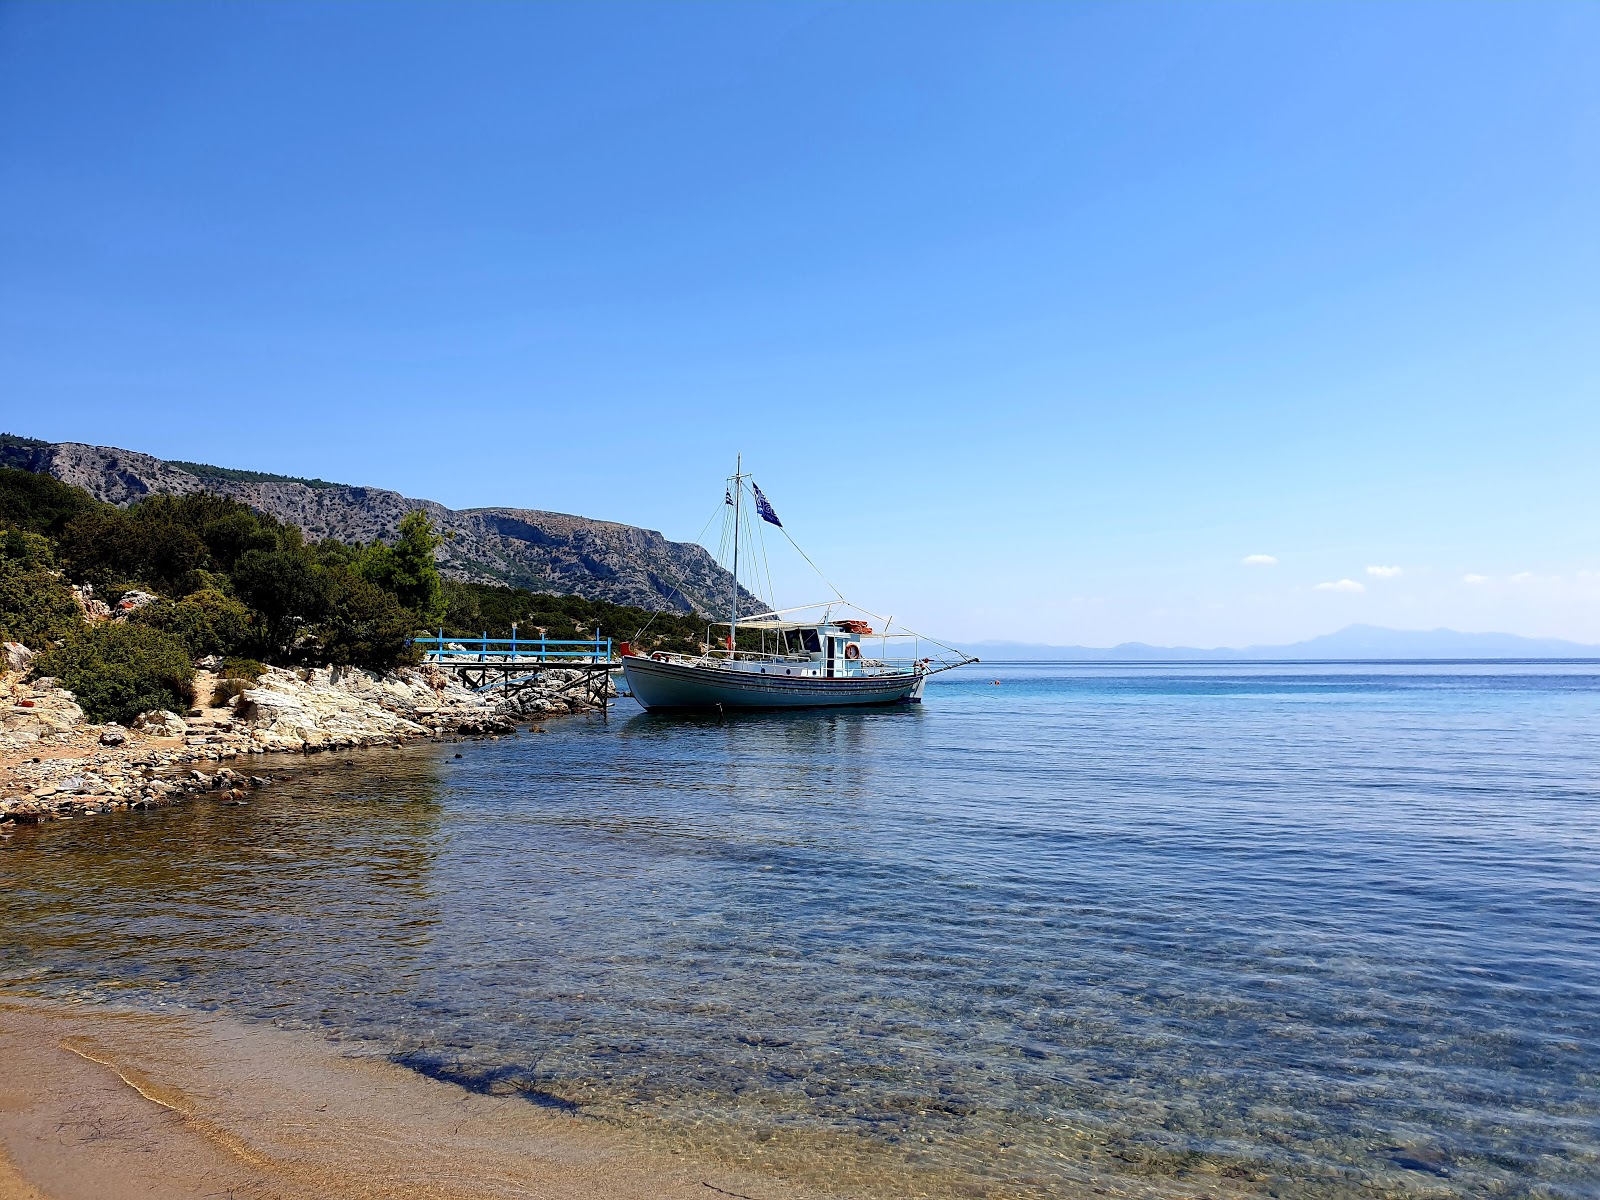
520 547
1370 642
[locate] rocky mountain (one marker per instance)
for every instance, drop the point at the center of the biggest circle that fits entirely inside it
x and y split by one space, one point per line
541 551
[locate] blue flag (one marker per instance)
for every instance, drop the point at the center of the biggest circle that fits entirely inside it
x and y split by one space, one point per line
727 495
764 508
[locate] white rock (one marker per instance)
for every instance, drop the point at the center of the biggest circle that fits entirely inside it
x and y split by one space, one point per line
18 657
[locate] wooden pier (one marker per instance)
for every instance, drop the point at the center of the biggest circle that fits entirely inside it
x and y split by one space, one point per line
511 665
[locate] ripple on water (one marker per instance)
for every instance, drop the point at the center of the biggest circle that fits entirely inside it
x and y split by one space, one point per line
1194 931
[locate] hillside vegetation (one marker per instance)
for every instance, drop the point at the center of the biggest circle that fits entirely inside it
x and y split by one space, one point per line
201 574
544 552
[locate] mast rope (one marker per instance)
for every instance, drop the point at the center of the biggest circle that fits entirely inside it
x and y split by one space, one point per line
741 523
677 586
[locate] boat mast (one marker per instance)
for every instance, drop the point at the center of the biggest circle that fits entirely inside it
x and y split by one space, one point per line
738 489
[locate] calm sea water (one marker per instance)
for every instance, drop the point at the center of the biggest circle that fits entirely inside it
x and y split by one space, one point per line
1222 931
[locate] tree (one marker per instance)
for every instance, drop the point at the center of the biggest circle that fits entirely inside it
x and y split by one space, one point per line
286 590
407 571
365 626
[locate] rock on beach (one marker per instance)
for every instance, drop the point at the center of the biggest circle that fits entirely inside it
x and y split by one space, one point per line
54 764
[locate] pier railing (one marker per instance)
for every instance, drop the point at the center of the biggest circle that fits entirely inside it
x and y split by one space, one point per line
485 649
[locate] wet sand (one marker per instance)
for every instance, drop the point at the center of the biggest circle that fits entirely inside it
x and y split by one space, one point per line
98 1102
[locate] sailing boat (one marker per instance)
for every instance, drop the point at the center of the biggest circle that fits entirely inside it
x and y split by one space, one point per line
813 656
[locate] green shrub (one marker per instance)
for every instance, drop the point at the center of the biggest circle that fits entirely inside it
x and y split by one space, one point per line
224 691
107 546
37 503
36 605
27 549
243 668
365 626
118 671
207 622
238 676
170 544
288 591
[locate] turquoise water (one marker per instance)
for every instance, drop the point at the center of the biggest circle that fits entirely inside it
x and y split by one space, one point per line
1195 931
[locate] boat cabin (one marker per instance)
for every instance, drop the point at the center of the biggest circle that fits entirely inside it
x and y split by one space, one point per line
828 651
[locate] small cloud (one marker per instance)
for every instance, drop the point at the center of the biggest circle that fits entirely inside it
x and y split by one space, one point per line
1522 577
1259 560
1383 572
1475 580
1341 585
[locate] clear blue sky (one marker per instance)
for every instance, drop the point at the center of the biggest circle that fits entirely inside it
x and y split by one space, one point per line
1034 321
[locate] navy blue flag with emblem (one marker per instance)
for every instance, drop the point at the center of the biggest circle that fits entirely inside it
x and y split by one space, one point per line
764 508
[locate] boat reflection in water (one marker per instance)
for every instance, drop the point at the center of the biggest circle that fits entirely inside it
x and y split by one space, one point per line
806 657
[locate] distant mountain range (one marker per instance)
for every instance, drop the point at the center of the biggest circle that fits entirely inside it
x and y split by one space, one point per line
522 547
1351 642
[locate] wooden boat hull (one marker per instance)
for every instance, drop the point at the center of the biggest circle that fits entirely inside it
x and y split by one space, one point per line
669 685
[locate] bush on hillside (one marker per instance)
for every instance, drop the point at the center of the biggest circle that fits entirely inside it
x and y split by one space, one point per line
34 503
118 671
167 544
365 626
109 548
36 605
24 549
207 622
288 591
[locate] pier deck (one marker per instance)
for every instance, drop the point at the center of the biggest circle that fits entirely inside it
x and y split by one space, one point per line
513 664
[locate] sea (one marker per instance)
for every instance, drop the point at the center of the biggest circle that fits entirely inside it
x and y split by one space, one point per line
1186 930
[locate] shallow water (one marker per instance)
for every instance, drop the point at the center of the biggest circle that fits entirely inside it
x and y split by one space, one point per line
1266 930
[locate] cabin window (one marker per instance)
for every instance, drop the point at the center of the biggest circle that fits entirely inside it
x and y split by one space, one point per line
810 643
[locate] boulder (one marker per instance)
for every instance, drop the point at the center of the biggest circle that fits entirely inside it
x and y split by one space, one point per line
92 609
113 736
18 657
161 723
133 601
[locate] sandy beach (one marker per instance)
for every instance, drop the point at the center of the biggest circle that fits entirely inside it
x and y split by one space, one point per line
98 1102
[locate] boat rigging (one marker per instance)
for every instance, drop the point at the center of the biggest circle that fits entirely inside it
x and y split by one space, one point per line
809 656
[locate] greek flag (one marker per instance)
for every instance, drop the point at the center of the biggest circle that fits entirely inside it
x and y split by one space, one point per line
763 507
727 495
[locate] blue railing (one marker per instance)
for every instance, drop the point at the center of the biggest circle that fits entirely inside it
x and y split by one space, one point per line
513 649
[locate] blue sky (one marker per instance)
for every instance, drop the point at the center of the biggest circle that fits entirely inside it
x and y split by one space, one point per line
1034 321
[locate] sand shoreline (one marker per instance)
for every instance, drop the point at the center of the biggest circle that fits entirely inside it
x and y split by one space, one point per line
98 1101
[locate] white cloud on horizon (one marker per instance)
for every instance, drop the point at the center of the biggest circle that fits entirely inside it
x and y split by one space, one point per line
1383 572
1259 560
1474 579
1341 585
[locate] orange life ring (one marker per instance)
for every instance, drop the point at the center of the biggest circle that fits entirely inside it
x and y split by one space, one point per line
852 651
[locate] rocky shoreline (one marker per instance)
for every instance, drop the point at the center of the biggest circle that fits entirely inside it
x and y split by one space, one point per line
55 765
